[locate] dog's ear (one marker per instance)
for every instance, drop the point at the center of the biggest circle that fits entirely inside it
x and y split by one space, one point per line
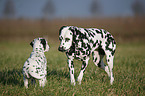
71 29
61 29
43 41
32 43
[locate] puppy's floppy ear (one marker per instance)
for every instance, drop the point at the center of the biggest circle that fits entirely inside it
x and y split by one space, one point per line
32 43
43 41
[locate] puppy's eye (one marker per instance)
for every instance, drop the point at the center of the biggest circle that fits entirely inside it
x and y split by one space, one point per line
67 39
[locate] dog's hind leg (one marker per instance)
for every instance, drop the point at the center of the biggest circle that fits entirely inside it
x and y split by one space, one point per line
25 77
42 82
33 82
98 56
98 60
25 82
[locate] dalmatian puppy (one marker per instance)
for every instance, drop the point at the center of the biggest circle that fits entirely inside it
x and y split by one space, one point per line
36 64
80 43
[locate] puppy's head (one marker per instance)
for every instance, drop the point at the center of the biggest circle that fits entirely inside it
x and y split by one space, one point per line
40 44
66 38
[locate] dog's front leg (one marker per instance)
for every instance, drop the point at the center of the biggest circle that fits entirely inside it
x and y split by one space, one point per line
71 70
84 65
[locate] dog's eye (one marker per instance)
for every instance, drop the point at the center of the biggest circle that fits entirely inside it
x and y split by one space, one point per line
60 38
67 39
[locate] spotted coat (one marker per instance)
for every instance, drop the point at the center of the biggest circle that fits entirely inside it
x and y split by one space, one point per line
87 41
36 65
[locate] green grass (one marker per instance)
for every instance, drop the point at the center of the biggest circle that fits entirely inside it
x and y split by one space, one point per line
128 72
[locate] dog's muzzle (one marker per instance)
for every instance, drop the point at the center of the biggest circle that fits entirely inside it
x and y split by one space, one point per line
61 49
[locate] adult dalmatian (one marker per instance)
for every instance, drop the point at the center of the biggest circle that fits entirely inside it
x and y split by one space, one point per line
36 64
80 43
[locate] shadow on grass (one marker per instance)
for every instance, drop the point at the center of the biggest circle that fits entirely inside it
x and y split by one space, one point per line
11 77
15 76
58 73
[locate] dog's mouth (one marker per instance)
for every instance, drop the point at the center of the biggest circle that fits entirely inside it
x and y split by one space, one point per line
62 49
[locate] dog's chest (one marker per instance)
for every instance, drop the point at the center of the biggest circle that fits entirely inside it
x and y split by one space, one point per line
81 55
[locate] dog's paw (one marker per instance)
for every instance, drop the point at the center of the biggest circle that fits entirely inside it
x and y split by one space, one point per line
73 82
26 86
79 81
111 81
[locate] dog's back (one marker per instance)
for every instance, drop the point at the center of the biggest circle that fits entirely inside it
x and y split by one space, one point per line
35 66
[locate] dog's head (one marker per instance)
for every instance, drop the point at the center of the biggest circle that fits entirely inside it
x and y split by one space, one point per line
40 44
66 38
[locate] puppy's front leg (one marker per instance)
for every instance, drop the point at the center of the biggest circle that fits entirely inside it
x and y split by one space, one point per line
71 70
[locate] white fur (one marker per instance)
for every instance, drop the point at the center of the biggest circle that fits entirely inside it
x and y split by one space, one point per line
36 64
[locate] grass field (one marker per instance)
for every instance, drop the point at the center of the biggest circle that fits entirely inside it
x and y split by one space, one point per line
129 73
129 65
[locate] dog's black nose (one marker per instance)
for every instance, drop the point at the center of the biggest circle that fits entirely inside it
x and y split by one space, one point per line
61 49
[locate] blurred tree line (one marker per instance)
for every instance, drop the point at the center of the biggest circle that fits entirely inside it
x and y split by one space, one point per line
138 8
9 9
48 10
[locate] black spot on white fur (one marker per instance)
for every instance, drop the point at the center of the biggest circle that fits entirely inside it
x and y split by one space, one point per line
85 41
36 64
